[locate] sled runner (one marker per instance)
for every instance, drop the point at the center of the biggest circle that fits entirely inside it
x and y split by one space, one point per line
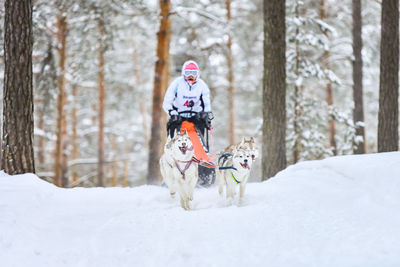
200 140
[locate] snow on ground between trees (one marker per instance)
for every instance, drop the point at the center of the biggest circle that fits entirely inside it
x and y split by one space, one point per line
341 211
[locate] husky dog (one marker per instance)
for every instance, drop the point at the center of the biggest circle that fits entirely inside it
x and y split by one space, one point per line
247 145
178 167
234 170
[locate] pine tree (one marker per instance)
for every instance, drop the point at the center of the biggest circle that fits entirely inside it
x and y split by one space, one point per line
274 92
388 136
60 168
160 78
230 78
358 112
17 146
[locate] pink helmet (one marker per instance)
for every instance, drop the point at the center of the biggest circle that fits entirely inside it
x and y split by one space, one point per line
190 68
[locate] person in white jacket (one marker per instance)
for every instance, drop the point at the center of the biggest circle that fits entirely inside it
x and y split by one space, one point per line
188 98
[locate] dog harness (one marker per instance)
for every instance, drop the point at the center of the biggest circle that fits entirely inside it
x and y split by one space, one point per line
238 182
188 163
224 158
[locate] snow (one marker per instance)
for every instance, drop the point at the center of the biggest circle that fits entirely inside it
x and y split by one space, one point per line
341 211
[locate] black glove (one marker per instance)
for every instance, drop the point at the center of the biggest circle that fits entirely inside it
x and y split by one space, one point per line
206 118
174 123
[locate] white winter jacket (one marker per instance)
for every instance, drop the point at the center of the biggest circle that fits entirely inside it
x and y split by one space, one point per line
179 95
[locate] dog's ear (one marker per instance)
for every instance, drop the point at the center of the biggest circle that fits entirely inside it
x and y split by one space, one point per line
252 139
185 132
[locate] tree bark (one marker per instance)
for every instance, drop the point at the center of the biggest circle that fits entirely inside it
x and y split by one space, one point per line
114 180
229 59
358 112
45 83
100 166
74 121
125 181
388 121
17 147
142 104
163 40
274 89
62 28
329 89
297 97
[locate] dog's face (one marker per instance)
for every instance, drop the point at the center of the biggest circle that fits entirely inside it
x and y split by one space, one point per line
181 146
242 159
249 145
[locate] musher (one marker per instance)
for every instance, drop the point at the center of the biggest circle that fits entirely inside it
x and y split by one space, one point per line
188 94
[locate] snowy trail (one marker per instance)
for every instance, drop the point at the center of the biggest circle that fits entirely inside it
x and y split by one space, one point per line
341 211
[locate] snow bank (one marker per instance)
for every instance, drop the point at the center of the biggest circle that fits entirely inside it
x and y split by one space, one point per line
341 211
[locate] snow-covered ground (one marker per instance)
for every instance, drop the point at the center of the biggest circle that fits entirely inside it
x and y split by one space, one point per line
342 211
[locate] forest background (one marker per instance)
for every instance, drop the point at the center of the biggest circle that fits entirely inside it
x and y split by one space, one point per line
93 79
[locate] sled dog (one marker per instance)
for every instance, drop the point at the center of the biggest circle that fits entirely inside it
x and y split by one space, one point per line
178 167
234 170
245 144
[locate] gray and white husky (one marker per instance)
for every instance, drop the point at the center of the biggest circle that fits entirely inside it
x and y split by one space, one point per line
245 144
178 167
235 171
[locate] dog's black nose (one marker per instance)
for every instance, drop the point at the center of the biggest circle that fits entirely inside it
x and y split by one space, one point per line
245 161
183 144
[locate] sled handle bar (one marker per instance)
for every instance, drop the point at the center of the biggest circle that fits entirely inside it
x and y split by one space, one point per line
188 111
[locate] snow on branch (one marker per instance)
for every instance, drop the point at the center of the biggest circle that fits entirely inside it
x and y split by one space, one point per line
205 14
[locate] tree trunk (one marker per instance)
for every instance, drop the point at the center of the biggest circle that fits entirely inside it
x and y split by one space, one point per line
64 159
61 99
41 142
142 99
274 91
388 137
329 89
45 83
163 40
74 121
358 112
229 59
17 148
100 166
114 180
125 181
297 97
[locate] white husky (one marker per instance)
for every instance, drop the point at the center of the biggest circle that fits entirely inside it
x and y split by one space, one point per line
234 169
178 168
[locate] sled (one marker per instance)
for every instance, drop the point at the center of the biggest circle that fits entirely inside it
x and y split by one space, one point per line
199 152
201 148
